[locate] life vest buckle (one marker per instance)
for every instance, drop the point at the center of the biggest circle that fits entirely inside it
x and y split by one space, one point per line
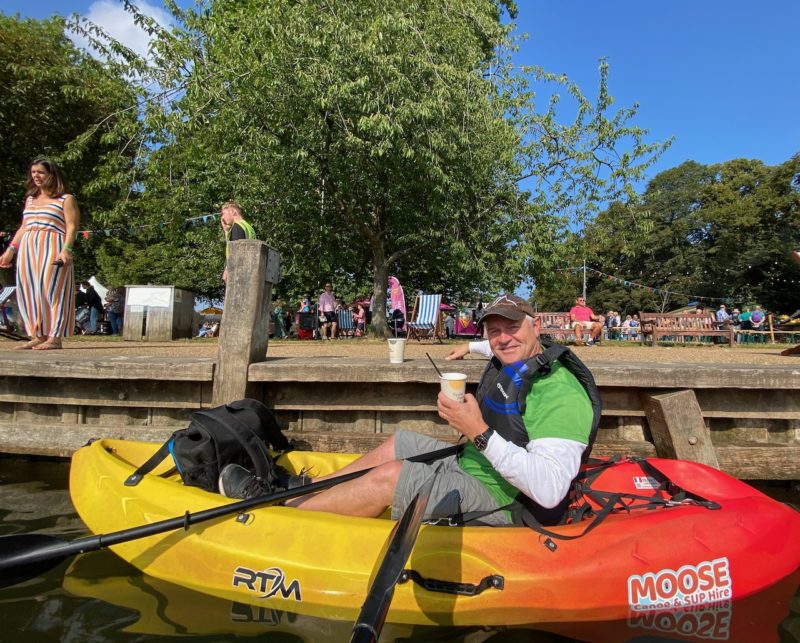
544 364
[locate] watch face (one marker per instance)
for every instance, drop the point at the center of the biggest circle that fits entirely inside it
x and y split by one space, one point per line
480 442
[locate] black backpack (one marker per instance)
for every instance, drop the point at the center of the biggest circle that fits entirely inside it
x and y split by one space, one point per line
233 433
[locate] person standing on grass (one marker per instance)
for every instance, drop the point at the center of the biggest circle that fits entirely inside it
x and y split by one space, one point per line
43 247
327 312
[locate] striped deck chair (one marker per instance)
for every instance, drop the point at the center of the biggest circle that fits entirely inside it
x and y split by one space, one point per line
346 326
426 318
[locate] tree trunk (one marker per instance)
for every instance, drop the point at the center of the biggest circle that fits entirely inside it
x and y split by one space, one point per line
379 327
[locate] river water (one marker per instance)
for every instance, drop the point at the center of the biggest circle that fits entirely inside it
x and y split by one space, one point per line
99 598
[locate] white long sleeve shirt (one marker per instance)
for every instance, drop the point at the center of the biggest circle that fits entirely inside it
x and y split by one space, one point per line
544 469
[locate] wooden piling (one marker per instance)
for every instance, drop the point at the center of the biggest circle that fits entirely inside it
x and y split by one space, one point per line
677 426
253 267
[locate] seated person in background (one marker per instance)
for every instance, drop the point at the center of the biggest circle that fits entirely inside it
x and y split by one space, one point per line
583 318
627 333
528 457
634 327
722 316
397 322
205 330
757 319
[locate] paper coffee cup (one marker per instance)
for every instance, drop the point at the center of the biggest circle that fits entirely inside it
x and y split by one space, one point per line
397 349
454 385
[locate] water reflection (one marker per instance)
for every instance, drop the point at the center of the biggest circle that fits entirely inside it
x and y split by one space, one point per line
106 599
98 597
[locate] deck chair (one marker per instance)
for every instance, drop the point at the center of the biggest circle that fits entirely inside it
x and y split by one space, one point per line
426 318
346 326
7 327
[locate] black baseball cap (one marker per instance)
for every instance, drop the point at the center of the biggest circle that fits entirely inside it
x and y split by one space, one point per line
508 306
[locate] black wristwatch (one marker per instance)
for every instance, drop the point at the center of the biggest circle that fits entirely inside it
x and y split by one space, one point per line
482 441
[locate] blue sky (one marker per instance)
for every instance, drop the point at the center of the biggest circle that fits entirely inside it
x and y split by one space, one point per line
719 76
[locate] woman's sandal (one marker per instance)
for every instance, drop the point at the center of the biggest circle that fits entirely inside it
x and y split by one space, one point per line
29 344
47 346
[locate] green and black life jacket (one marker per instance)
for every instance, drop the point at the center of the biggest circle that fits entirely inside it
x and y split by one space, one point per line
502 394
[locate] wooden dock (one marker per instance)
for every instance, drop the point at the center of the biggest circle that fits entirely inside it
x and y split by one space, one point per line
744 419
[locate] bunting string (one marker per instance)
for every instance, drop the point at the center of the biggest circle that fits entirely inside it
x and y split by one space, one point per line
660 291
85 234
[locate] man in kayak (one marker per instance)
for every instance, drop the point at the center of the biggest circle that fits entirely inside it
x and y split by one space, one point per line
524 451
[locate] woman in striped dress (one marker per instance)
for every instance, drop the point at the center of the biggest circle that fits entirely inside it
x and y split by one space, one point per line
43 245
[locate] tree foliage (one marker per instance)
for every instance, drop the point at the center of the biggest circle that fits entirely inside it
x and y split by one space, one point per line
364 139
718 232
56 100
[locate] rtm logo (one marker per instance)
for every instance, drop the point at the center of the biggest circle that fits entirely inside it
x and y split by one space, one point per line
267 583
500 388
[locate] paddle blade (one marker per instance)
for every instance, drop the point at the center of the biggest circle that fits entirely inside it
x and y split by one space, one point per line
25 556
367 628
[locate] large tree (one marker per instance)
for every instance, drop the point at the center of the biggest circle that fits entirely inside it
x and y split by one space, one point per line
56 100
716 232
368 138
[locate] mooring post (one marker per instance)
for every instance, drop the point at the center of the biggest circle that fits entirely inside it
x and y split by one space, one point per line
677 426
253 267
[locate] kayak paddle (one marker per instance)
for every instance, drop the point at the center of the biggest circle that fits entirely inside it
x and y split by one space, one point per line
25 556
400 543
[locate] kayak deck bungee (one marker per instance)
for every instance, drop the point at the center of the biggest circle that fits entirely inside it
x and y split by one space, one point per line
321 564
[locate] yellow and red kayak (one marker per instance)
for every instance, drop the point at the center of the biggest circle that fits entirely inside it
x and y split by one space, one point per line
636 561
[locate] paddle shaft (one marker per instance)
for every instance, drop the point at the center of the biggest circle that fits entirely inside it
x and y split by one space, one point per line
39 551
401 541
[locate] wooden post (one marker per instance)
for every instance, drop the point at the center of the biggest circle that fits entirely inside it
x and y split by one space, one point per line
244 331
677 426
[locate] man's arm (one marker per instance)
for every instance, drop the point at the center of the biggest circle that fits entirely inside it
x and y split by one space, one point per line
479 348
543 470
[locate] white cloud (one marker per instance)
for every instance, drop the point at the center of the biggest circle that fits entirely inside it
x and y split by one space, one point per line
118 23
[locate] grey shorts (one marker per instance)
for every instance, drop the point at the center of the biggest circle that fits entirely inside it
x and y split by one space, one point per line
454 491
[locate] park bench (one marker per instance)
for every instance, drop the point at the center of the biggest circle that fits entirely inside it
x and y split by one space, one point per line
663 325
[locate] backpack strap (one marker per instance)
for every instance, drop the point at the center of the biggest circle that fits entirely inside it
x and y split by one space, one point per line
152 462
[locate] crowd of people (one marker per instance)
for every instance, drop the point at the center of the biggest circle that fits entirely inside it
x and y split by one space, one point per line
51 307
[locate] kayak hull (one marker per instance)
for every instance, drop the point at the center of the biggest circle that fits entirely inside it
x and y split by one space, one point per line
321 564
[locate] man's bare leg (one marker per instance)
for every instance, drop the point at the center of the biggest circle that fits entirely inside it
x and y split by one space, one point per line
379 455
368 496
578 333
353 498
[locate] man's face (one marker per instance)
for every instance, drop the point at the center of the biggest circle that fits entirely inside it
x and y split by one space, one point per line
328 288
226 218
580 301
512 340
